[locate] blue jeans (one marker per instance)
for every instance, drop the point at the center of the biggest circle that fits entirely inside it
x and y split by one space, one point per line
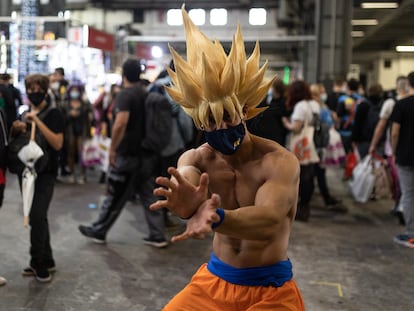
406 176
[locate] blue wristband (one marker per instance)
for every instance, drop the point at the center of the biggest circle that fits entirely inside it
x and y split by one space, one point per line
219 212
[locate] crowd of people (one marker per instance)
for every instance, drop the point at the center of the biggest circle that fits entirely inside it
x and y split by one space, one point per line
241 123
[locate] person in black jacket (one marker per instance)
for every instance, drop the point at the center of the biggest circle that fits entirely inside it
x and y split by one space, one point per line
5 79
268 124
366 119
7 103
3 140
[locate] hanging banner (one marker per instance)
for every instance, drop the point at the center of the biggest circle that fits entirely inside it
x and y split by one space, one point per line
100 40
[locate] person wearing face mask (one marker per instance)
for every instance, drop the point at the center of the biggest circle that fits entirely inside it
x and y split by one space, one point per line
51 128
79 121
238 186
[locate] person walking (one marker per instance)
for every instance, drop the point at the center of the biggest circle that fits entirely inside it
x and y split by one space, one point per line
124 155
383 129
240 186
402 137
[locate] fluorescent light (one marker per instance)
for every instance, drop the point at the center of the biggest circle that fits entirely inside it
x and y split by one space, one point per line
257 16
379 5
404 48
364 22
357 34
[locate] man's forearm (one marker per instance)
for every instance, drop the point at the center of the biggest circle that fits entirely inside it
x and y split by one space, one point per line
116 137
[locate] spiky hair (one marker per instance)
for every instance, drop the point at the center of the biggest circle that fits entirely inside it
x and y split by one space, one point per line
212 81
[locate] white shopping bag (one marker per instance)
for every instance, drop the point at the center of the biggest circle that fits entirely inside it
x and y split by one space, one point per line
103 145
363 180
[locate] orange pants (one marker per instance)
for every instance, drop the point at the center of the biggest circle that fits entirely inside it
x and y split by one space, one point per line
207 292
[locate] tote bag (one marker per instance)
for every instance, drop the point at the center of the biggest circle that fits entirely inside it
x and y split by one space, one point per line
303 146
334 154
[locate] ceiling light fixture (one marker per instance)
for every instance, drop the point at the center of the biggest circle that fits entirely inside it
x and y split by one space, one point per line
379 5
404 48
364 22
357 34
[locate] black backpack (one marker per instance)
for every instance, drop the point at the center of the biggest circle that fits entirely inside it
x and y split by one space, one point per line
372 119
14 164
158 122
321 132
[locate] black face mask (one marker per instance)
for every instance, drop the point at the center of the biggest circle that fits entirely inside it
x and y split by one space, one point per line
36 98
227 141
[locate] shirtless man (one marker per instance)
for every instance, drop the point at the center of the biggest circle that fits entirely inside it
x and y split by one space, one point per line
237 185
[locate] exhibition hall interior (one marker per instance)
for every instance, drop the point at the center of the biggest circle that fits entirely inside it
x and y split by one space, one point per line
344 251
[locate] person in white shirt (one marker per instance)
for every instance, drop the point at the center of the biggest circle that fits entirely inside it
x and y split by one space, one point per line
299 98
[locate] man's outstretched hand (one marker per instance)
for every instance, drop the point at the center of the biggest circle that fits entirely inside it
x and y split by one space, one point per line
200 223
181 197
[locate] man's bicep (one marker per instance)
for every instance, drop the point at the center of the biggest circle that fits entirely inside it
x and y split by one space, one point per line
121 118
279 198
280 192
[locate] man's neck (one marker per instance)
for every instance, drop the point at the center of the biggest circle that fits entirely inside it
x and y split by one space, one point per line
128 84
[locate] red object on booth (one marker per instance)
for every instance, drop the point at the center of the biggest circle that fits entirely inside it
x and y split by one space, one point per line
100 40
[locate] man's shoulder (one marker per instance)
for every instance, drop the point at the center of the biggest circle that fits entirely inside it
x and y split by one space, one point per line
408 99
269 150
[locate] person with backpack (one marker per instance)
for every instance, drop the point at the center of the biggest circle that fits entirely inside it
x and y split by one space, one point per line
182 131
366 119
126 156
330 201
346 110
299 99
50 127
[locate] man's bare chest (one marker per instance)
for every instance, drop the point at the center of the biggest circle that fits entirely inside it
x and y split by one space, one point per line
236 187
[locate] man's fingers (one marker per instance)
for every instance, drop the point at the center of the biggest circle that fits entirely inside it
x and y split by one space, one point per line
180 237
165 182
176 174
162 192
158 204
215 198
204 181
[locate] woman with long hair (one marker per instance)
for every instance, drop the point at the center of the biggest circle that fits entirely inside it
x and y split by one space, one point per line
299 99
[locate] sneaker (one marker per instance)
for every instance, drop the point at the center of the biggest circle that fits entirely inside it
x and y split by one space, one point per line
81 180
158 243
404 239
42 275
90 233
29 271
3 281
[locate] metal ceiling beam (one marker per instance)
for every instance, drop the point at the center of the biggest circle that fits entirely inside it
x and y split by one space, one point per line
173 4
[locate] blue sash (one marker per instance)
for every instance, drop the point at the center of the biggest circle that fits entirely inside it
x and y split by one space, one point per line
275 275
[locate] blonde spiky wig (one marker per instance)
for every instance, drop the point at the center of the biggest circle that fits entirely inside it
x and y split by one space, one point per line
210 81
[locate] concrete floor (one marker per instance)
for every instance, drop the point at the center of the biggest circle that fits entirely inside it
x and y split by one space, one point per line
341 261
